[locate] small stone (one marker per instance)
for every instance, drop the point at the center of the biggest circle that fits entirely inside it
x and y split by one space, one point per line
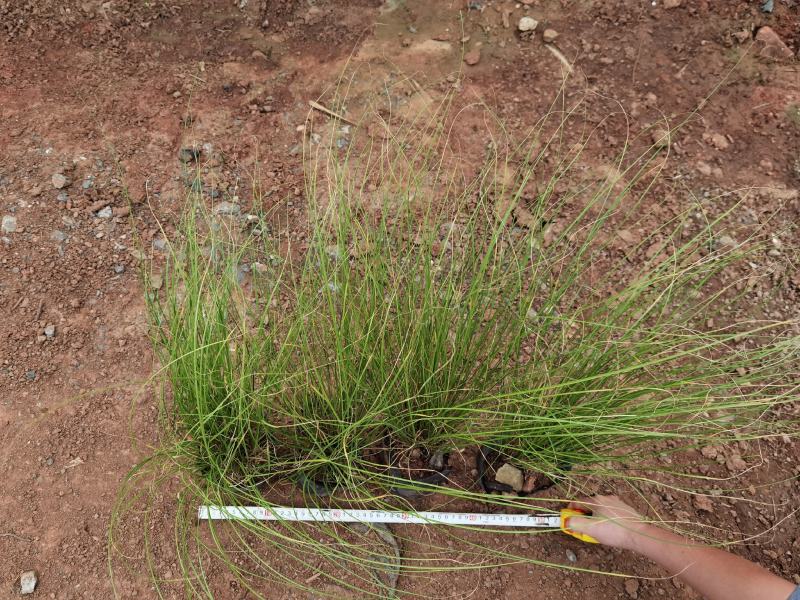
703 503
473 57
30 375
58 236
549 36
709 451
62 197
774 46
735 463
719 141
226 208
704 168
59 181
671 4
27 582
50 331
119 269
632 587
571 557
437 460
511 476
527 24
627 236
105 213
9 224
156 281
727 241
87 183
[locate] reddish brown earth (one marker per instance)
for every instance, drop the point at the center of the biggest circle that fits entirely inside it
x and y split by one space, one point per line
103 92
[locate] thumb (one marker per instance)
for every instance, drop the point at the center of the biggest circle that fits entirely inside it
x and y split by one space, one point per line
580 524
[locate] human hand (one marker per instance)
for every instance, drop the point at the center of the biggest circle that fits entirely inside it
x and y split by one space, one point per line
612 522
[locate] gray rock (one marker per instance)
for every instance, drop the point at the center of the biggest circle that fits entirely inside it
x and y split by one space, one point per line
226 208
119 269
27 582
160 244
30 375
437 460
62 197
87 183
527 24
510 476
9 224
58 236
59 180
105 213
571 557
50 331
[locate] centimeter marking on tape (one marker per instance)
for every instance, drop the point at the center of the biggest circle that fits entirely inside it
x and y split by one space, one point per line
336 515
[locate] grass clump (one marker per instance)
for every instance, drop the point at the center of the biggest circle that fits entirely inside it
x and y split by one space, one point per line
429 310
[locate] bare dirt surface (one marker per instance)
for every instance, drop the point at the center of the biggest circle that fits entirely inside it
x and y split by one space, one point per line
96 100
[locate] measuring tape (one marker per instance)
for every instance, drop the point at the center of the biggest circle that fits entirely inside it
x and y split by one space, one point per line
339 515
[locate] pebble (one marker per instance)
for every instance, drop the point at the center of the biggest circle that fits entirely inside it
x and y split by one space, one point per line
62 197
50 331
30 375
511 476
527 24
703 503
627 236
632 587
571 557
704 168
58 236
119 269
719 141
672 3
59 181
105 213
549 36
735 463
27 582
156 281
9 224
226 208
473 57
774 46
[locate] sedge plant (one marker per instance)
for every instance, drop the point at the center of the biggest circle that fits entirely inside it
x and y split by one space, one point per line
437 309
